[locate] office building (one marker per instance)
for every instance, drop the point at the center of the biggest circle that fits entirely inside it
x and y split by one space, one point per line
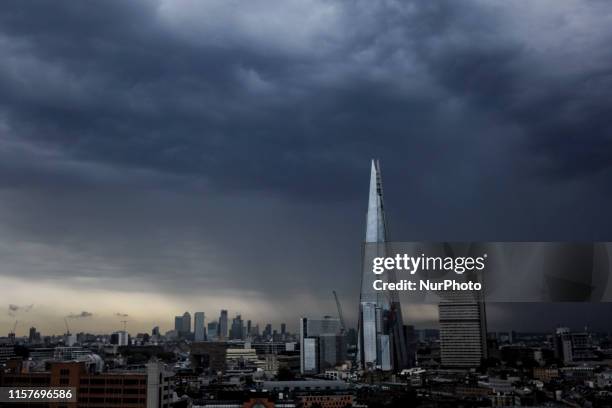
222 329
213 331
241 359
199 329
463 330
178 324
381 330
120 338
572 347
236 331
322 344
34 336
186 325
332 350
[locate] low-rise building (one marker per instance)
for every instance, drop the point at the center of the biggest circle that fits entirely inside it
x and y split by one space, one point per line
149 387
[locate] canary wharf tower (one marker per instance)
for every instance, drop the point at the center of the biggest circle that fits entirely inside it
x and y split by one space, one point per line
382 345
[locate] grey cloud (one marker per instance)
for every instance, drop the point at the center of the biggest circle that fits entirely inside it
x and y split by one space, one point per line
81 315
14 310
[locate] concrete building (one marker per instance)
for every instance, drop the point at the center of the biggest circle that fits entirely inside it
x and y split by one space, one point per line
150 387
322 344
463 330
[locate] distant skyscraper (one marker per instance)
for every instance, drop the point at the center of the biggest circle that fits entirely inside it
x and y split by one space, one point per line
213 331
248 330
34 336
237 327
199 329
178 324
381 333
268 330
223 325
283 328
186 330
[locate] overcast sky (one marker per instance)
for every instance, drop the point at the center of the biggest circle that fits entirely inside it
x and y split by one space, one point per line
163 156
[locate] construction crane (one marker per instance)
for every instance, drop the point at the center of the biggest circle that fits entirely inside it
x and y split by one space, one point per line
12 333
340 315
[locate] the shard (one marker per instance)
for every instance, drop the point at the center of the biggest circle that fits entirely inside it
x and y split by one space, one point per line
382 344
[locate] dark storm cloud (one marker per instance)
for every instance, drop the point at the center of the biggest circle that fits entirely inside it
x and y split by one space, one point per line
116 83
186 146
558 97
140 95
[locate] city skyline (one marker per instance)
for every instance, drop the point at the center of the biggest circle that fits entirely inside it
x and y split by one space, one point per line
192 210
553 315
199 156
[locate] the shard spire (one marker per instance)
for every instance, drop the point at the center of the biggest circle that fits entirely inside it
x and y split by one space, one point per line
381 333
375 225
